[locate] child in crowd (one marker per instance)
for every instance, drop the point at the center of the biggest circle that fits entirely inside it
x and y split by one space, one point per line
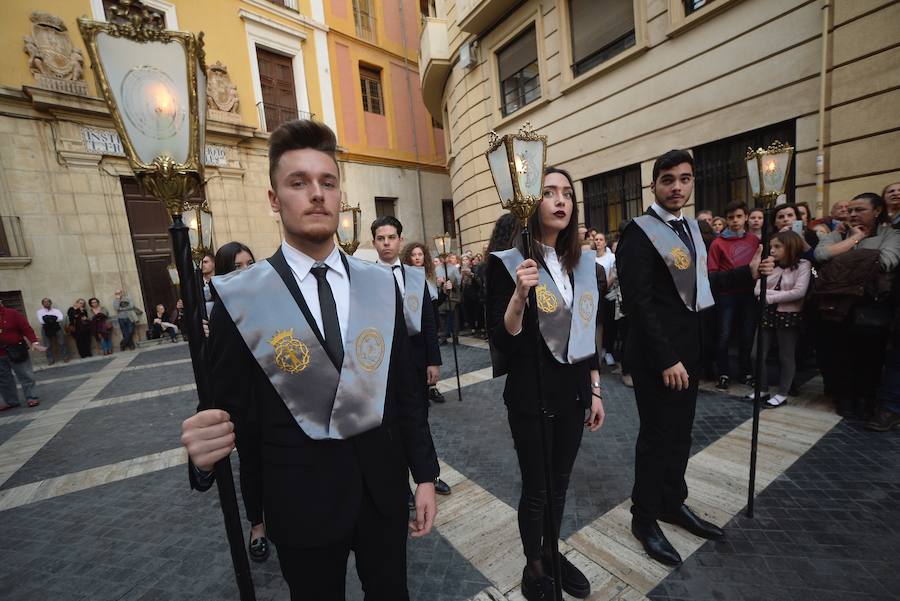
785 292
734 248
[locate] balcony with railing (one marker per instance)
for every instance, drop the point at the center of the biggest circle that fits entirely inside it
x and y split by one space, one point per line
434 63
365 25
474 16
13 254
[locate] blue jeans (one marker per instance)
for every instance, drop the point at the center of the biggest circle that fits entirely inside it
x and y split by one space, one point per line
740 308
23 373
127 327
105 343
449 321
60 340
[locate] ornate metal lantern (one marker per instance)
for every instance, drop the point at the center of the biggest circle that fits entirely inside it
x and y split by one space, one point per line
348 228
517 166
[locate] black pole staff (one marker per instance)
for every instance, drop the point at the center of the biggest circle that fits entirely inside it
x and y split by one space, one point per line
551 538
757 368
454 337
195 312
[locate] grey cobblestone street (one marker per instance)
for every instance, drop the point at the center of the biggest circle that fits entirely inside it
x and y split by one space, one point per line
77 525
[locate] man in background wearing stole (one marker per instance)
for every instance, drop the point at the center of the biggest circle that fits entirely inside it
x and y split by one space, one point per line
310 365
661 263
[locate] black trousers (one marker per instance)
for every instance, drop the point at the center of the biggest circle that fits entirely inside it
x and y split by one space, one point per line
663 444
379 545
565 433
83 343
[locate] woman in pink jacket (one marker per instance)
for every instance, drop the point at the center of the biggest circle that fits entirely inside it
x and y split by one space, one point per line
785 292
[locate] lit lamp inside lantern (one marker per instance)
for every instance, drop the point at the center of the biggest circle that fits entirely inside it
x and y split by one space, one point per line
348 228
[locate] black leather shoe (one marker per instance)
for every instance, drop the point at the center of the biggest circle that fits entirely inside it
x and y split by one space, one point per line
694 524
655 542
536 589
574 582
441 487
259 549
435 396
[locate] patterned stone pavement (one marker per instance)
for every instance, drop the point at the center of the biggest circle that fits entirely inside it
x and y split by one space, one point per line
96 504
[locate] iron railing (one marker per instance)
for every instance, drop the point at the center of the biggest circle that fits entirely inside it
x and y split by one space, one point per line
365 25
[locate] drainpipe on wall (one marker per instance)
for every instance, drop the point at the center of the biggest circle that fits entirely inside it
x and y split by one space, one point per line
413 117
821 208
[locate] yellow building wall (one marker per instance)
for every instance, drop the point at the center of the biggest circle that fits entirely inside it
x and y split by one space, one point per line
225 40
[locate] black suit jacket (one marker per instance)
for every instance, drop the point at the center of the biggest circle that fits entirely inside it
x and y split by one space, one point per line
312 489
424 345
661 330
560 382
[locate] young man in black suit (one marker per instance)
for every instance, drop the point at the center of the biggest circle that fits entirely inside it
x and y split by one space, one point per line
421 322
310 367
661 263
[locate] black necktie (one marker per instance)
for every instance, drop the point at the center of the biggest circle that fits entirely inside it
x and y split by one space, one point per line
329 316
681 229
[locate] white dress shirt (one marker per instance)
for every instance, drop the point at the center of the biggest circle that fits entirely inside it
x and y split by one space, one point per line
664 214
337 278
398 273
608 261
52 311
560 277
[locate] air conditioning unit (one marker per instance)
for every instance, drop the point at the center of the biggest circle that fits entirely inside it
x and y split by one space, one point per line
467 54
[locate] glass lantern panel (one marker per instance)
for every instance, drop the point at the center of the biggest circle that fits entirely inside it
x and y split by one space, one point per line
193 234
529 163
149 83
753 175
775 168
206 229
440 244
201 105
502 179
346 227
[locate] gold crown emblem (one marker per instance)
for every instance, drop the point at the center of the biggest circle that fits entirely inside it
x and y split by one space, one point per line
281 336
546 300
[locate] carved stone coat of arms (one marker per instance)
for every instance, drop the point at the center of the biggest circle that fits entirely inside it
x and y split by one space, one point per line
52 58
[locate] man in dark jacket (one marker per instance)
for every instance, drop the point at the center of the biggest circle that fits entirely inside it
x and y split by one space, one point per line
661 264
309 357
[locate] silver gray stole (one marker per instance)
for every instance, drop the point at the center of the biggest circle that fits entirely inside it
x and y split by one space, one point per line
570 337
413 287
325 402
677 256
432 289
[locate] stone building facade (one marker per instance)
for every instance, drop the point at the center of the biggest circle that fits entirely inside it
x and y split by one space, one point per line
615 83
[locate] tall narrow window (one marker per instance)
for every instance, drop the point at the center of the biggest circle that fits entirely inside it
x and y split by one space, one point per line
449 218
612 198
370 81
364 19
385 206
276 80
595 40
520 77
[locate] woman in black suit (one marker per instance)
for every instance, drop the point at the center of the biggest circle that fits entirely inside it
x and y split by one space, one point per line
568 390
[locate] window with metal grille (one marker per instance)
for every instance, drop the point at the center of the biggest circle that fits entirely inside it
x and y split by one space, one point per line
720 168
364 20
385 206
370 81
520 76
596 40
611 199
12 299
449 217
692 6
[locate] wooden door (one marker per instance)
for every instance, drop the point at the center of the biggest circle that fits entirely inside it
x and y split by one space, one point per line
276 78
149 223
